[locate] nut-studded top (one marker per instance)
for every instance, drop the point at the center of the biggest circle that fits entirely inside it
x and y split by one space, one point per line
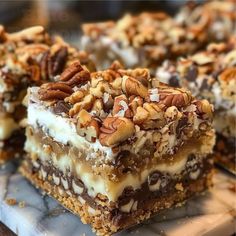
211 74
32 57
34 54
150 34
115 104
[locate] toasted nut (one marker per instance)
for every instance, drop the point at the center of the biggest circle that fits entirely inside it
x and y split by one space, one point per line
204 107
121 107
228 74
86 104
174 97
71 71
132 86
135 102
116 130
140 116
76 96
87 126
54 91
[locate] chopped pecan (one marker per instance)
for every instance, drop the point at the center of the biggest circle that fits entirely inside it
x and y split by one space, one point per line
121 107
87 126
86 104
140 116
203 107
135 102
54 91
116 130
76 96
132 86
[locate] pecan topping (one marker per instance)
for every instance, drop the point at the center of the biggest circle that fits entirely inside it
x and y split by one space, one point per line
204 108
132 86
87 126
75 75
58 60
174 97
121 107
228 74
116 130
54 91
86 104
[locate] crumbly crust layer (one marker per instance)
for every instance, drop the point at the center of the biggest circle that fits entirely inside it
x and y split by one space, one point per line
106 223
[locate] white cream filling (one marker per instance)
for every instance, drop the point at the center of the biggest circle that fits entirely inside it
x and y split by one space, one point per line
62 130
7 127
96 184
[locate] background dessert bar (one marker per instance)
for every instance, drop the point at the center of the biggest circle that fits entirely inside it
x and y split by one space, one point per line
29 57
148 38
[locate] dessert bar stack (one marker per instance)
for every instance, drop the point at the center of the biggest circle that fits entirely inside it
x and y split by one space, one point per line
117 146
29 57
145 40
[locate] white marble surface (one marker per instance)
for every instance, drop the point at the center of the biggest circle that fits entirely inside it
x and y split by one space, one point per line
213 213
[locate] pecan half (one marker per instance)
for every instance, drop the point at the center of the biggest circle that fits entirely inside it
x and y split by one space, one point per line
57 60
54 91
174 97
75 74
87 126
115 130
132 86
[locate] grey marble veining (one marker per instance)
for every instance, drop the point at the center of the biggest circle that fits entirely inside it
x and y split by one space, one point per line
211 213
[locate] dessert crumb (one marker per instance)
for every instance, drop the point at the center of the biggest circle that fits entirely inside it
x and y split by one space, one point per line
21 204
11 201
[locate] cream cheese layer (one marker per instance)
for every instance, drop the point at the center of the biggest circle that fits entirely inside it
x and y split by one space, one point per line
62 129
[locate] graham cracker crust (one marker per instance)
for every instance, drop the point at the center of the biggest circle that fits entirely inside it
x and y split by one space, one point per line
103 221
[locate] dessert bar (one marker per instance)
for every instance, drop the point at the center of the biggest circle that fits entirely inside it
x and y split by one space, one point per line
212 75
29 57
115 146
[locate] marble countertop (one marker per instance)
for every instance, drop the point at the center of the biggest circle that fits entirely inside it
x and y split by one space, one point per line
33 213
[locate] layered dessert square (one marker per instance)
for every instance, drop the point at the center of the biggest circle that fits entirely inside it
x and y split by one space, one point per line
116 146
211 75
29 57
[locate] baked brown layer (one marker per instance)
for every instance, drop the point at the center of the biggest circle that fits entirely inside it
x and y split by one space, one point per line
107 221
13 146
225 152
